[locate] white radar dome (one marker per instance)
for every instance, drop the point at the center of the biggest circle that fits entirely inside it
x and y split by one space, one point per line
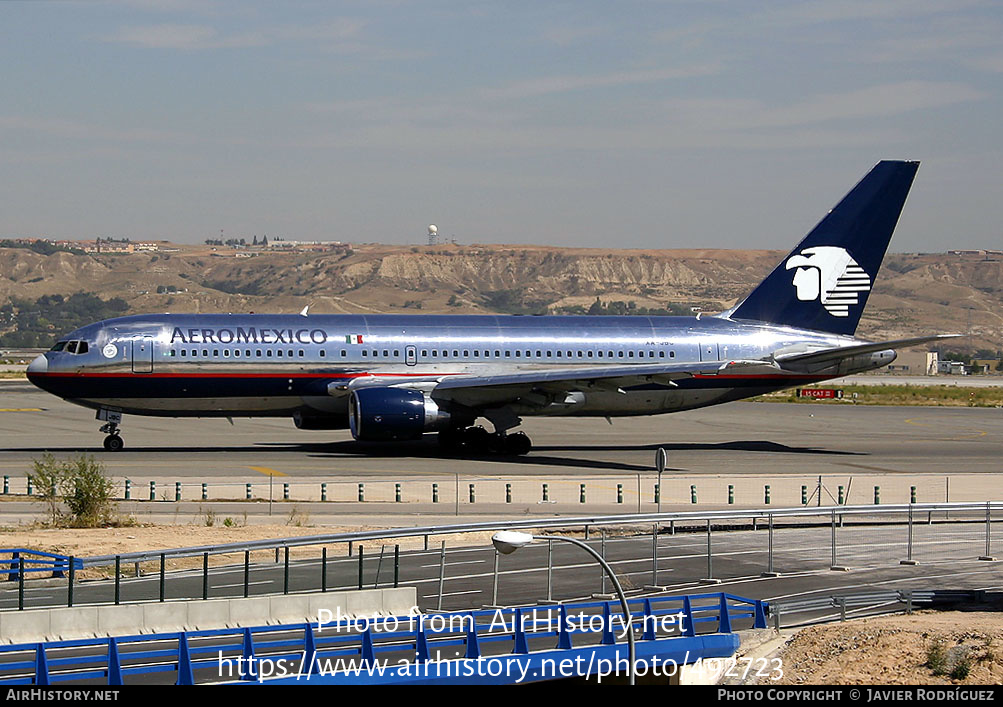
433 229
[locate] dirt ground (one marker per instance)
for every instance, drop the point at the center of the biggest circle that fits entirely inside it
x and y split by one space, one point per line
898 650
111 541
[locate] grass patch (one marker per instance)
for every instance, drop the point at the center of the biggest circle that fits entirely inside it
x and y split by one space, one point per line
900 394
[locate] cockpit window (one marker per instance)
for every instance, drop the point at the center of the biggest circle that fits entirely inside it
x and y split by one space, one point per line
72 347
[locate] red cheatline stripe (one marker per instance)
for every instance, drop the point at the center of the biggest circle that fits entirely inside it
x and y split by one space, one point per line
127 374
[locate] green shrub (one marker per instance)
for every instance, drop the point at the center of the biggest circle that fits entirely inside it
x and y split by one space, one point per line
81 484
936 658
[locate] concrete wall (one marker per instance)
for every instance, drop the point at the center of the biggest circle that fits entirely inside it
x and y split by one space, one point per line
129 619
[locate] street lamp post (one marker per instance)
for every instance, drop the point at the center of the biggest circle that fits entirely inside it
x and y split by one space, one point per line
508 541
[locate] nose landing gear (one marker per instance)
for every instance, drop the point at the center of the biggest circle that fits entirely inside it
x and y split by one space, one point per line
113 442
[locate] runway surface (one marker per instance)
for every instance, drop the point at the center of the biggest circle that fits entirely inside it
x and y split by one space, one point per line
946 453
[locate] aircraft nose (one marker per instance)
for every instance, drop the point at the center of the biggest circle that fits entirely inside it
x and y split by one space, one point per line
39 365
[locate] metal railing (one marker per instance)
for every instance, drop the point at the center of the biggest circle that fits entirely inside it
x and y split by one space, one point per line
841 607
25 561
310 646
678 518
792 539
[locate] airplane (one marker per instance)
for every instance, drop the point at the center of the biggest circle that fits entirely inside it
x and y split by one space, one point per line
397 377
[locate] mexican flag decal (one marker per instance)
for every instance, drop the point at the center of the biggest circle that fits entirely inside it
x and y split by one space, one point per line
353 339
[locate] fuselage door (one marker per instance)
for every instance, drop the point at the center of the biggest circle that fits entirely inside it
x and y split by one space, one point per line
708 352
142 355
410 355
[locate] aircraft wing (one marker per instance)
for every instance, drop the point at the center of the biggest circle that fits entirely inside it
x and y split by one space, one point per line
478 391
840 352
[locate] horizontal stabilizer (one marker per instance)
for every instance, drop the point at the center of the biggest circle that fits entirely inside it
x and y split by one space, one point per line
841 352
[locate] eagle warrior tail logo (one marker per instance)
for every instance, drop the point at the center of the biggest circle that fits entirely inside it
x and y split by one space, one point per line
830 275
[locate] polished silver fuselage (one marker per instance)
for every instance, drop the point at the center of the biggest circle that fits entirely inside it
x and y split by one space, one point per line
285 365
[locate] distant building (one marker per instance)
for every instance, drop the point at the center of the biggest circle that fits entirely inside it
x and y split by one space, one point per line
915 363
952 368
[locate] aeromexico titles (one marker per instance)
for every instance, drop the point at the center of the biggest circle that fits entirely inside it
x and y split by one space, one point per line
397 377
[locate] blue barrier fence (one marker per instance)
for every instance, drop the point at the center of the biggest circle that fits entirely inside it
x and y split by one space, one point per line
17 561
310 649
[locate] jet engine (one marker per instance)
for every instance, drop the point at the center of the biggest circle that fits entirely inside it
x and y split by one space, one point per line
385 413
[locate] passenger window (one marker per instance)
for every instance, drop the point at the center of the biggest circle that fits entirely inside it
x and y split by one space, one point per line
290 353
301 353
205 352
651 354
466 353
278 352
579 354
672 354
397 353
424 353
558 354
215 352
184 352
497 353
247 352
434 353
619 354
508 354
236 353
173 352
630 354
268 353
323 353
257 352
528 354
590 354
599 353
363 353
477 354
386 354
344 353
226 353
518 353
456 353
661 354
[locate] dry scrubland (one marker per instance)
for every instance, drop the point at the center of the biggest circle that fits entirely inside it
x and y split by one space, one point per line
914 294
926 648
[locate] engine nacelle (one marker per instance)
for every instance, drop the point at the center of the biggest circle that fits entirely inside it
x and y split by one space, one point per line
384 413
319 422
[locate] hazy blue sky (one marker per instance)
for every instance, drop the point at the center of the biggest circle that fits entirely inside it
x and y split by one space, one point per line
626 124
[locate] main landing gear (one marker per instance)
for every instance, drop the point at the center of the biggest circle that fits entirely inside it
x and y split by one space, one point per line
113 442
477 440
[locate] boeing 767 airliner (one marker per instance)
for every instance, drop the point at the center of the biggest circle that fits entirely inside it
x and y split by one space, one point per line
393 377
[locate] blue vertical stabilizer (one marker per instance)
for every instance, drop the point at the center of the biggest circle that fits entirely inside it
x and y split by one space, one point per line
824 282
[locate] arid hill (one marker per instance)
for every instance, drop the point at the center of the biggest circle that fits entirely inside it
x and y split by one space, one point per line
922 293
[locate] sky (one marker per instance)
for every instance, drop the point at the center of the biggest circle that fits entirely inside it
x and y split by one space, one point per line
634 124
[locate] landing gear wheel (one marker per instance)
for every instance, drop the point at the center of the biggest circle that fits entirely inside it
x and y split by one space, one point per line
517 444
450 440
476 440
113 443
